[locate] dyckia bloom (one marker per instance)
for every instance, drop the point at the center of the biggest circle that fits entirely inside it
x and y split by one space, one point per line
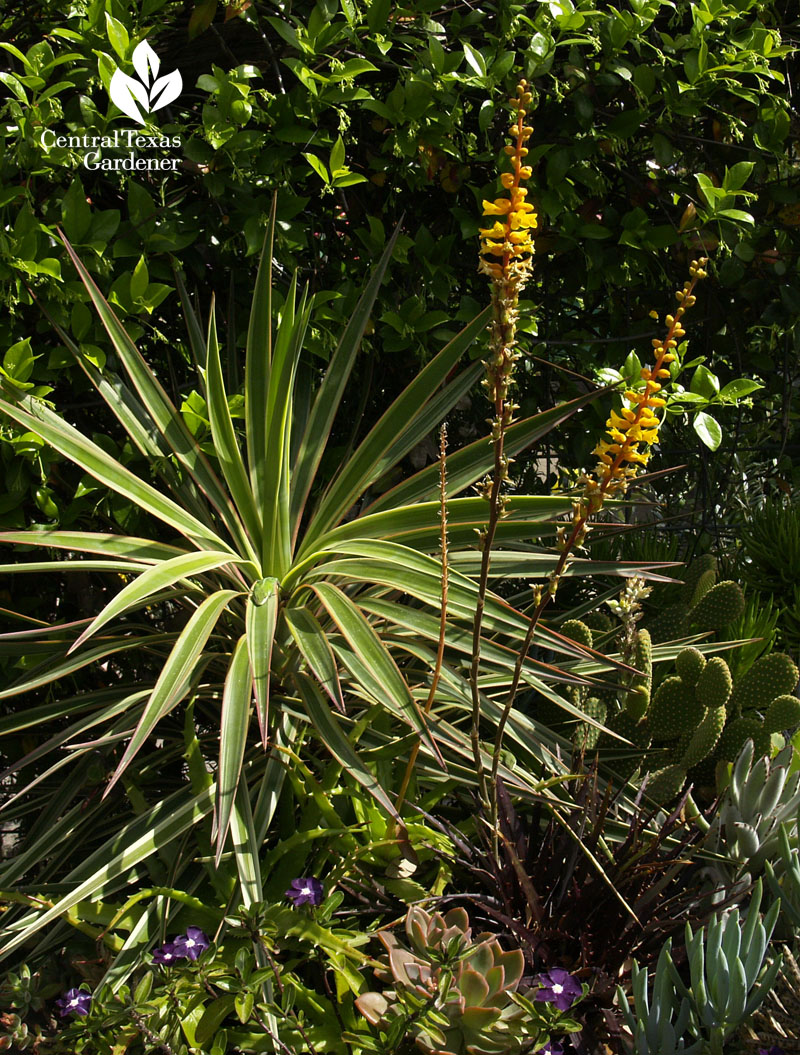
74 1002
558 987
635 429
191 944
305 892
506 246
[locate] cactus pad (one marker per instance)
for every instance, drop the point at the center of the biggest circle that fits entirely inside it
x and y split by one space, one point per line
705 737
598 621
771 676
670 624
699 568
586 736
714 685
689 665
723 604
782 713
674 710
577 631
736 732
666 783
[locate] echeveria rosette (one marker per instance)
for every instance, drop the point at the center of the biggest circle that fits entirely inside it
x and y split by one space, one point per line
191 944
558 987
305 891
74 1002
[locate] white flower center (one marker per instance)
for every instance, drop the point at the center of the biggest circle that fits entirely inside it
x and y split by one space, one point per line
557 988
190 943
307 891
74 1001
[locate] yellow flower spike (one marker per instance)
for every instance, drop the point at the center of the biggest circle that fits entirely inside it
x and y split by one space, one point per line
515 237
637 424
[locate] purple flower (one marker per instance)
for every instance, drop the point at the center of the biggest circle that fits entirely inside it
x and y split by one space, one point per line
551 1048
774 1050
559 988
166 954
305 892
74 1002
190 944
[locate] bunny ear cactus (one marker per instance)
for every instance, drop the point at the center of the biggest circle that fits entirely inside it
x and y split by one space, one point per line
454 994
710 719
585 736
704 604
689 708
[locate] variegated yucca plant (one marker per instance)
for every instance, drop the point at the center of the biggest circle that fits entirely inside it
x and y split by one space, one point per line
269 618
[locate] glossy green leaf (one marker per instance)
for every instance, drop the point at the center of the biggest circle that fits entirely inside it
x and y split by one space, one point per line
330 733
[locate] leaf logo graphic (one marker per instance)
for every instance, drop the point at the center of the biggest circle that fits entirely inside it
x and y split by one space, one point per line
139 98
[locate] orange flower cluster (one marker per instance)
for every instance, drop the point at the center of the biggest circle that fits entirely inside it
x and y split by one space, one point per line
509 239
635 429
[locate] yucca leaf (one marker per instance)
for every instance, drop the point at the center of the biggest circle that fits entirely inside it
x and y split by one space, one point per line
226 443
62 667
533 564
379 673
420 524
176 674
137 549
316 651
70 442
337 743
237 696
368 460
193 326
104 870
275 510
474 461
129 411
329 394
260 620
246 848
128 567
425 625
118 705
436 409
153 580
160 409
257 367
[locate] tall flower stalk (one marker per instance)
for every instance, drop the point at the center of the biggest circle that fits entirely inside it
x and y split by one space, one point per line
506 257
630 435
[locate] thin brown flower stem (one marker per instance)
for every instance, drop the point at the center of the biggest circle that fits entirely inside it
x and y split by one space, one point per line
501 350
437 670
